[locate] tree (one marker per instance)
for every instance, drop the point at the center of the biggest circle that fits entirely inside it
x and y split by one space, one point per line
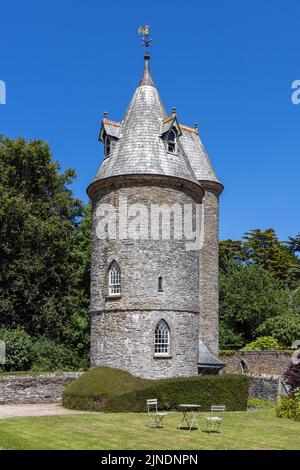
264 248
285 328
78 333
230 250
294 244
248 296
38 222
229 339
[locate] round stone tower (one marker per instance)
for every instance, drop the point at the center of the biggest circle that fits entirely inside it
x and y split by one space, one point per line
145 277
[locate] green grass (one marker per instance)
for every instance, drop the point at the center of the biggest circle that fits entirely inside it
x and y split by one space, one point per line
241 430
257 402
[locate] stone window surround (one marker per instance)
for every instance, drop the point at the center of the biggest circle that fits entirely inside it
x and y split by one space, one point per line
167 355
160 284
114 280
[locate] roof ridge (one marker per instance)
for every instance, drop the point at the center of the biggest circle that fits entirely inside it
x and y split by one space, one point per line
111 123
188 128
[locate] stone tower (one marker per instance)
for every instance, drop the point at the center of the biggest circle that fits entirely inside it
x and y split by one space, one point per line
154 303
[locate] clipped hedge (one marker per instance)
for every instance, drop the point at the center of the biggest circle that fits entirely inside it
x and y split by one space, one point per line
113 390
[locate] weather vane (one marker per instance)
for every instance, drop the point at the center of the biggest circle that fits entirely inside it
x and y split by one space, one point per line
147 42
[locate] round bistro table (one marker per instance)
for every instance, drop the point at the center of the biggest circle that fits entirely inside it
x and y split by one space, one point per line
189 418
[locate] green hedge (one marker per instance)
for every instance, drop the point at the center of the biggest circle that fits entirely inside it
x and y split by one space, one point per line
113 390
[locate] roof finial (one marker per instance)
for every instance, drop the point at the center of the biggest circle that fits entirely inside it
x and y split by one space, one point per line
146 79
147 42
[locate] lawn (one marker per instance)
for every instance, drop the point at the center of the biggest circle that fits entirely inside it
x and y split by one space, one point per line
241 430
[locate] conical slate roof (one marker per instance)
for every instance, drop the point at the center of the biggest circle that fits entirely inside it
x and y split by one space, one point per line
140 148
197 155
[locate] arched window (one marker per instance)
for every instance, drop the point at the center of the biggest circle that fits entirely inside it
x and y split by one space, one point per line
162 339
114 279
107 146
244 366
160 284
171 141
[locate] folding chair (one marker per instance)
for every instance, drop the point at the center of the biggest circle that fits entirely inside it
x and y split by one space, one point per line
155 415
213 423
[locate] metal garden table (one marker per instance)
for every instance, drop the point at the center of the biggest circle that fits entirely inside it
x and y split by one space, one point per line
189 416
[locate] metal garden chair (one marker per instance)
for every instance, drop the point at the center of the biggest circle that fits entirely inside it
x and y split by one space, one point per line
213 423
155 415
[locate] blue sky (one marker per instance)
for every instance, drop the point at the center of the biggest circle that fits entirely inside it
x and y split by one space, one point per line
227 64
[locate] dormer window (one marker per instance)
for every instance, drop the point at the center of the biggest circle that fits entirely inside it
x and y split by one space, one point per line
107 146
171 141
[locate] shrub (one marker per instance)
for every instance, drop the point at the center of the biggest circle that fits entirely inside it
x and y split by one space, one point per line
50 356
292 376
227 352
19 349
289 408
113 390
265 343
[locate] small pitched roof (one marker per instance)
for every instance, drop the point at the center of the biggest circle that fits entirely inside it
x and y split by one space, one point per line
110 128
168 123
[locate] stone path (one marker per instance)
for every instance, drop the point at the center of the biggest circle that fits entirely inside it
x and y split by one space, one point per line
47 409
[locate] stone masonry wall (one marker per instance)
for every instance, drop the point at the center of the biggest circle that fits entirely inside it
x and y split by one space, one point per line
264 388
125 339
123 328
272 363
209 273
43 388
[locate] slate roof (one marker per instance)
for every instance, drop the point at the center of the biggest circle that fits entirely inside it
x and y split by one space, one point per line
138 146
207 359
111 128
197 155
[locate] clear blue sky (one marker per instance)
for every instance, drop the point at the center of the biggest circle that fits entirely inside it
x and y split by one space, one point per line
227 64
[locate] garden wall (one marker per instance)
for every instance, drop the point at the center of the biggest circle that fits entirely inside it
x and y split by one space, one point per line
42 388
265 388
271 363
48 388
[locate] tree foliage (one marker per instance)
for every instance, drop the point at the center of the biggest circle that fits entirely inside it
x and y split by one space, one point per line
43 279
18 349
265 249
294 243
229 339
284 328
248 296
292 376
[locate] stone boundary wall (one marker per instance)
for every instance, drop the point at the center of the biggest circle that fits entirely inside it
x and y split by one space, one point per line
48 387
265 388
28 389
271 363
